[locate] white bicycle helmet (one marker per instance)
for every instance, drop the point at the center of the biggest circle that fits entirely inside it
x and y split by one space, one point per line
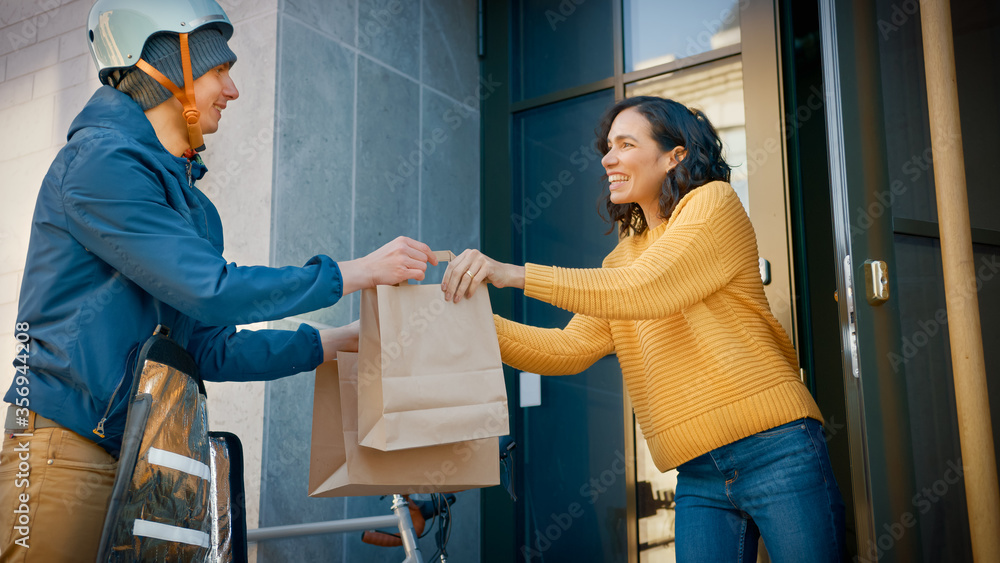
118 30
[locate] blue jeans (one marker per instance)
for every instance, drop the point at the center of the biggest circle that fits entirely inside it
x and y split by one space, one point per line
777 484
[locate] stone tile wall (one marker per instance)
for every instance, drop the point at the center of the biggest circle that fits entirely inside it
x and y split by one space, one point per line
377 136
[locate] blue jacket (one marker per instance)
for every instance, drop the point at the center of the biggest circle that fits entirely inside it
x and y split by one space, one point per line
122 241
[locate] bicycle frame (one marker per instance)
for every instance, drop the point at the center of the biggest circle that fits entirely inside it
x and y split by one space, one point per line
400 518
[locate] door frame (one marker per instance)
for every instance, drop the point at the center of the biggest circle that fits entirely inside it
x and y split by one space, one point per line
883 479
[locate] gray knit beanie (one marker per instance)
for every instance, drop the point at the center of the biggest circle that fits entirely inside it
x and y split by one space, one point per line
162 51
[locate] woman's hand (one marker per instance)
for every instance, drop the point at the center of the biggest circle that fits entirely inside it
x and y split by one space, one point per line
395 262
471 268
340 339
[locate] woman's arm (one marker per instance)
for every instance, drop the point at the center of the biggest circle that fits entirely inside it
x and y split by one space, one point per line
553 351
697 256
676 272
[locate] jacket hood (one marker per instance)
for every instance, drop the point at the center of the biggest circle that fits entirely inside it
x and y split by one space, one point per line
110 109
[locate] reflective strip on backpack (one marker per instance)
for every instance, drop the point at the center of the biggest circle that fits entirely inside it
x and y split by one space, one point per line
170 460
164 532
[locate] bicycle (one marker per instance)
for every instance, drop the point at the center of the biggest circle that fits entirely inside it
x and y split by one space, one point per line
403 518
421 511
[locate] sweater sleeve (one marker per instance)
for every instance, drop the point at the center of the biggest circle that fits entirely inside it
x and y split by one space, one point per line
553 351
682 267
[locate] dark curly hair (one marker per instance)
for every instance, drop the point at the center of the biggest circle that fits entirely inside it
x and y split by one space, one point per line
672 124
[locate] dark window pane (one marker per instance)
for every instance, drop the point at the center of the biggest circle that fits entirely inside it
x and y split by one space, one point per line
560 44
925 361
560 178
976 28
988 281
574 482
907 133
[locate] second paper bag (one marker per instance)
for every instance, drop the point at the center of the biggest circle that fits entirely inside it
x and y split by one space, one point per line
339 467
429 371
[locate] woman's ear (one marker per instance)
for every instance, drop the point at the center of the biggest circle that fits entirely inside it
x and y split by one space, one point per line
675 155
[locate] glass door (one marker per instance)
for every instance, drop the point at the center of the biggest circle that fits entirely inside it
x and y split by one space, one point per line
902 416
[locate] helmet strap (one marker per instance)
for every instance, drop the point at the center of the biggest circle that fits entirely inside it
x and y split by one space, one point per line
186 96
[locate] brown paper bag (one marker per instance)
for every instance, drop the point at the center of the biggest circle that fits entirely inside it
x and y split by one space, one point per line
429 370
339 467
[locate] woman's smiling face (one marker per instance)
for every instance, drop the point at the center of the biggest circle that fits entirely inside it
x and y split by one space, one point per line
636 166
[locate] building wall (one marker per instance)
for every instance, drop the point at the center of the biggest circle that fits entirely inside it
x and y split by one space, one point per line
377 136
46 76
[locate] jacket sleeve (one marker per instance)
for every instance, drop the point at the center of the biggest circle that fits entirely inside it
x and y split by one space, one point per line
686 264
226 354
117 208
554 351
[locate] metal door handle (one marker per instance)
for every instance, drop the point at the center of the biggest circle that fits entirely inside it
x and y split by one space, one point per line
876 282
765 270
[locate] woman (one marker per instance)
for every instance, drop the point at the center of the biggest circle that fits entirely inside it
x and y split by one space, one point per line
712 375
123 241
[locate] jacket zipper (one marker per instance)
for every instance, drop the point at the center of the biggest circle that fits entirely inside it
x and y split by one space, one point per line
100 424
190 178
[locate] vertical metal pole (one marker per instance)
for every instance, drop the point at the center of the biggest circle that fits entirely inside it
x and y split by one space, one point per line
410 547
968 364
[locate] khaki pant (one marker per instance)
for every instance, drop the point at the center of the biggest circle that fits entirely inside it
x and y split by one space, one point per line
54 491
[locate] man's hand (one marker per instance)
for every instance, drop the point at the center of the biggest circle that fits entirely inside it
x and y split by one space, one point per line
342 339
400 260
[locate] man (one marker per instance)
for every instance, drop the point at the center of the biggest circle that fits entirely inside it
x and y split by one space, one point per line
123 241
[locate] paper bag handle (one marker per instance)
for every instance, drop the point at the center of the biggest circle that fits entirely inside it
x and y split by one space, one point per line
442 256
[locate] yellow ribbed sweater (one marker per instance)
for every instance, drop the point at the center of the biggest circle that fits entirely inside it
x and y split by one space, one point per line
683 307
